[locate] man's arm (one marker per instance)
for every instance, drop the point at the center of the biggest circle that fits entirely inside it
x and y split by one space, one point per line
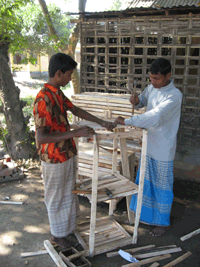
79 112
43 137
159 115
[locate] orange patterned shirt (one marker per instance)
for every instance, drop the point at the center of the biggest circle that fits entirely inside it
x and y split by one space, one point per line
50 111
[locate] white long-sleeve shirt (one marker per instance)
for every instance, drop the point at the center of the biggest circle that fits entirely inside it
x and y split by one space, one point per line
162 117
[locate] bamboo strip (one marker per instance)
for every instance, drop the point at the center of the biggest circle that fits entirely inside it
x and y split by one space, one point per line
126 234
141 185
98 229
131 250
155 264
101 237
81 241
157 253
54 255
185 237
179 259
150 260
30 254
107 241
112 245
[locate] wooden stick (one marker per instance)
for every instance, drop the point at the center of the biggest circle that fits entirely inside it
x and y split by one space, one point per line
94 195
150 260
11 202
131 250
185 237
157 253
141 185
30 254
155 264
54 255
134 91
77 255
179 259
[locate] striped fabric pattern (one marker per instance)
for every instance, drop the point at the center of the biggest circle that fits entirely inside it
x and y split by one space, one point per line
62 205
158 192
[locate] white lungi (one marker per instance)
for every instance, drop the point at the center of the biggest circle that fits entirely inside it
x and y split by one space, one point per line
62 205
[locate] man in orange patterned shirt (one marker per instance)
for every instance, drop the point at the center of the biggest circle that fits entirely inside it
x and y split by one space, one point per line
57 149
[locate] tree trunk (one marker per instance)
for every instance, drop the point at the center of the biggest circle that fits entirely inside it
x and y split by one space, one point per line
19 139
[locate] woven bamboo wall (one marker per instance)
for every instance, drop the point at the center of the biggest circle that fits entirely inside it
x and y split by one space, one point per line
115 53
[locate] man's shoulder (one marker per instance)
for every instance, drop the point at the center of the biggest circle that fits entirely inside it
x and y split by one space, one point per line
176 91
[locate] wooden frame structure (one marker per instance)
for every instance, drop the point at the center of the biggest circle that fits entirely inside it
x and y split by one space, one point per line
117 48
100 235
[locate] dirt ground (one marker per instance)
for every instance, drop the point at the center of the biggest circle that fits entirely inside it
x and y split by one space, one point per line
23 228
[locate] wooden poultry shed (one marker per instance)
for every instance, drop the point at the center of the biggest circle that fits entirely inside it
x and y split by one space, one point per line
117 49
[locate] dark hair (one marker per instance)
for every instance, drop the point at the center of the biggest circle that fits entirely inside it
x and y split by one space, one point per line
61 61
161 65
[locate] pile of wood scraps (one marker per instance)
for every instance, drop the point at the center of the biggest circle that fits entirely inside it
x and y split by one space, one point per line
9 170
144 255
151 254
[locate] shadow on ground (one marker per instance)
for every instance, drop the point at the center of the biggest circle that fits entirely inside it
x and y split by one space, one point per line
23 228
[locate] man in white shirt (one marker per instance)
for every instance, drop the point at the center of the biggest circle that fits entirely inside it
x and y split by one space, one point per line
163 109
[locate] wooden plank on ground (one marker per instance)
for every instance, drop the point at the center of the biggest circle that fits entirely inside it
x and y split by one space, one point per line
157 253
131 250
31 254
185 237
12 202
150 260
155 264
179 259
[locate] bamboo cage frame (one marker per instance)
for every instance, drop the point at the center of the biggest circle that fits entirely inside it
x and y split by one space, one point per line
116 52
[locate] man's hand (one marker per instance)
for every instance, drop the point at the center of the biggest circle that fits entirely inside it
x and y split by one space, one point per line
119 120
108 125
134 99
84 131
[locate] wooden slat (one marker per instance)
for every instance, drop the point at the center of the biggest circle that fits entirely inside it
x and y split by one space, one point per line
131 250
81 241
185 237
31 254
178 260
150 260
54 255
157 253
141 185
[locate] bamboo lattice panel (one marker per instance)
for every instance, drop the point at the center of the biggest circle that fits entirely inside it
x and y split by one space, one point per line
106 106
116 52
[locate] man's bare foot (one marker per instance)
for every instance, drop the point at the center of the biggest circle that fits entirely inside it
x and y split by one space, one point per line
159 230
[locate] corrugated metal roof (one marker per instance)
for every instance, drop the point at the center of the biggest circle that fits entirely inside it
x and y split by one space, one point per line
161 3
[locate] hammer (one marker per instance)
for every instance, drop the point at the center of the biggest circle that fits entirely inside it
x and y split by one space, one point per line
132 93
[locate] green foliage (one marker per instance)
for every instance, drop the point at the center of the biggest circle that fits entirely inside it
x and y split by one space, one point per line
116 5
24 28
10 23
34 27
3 134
